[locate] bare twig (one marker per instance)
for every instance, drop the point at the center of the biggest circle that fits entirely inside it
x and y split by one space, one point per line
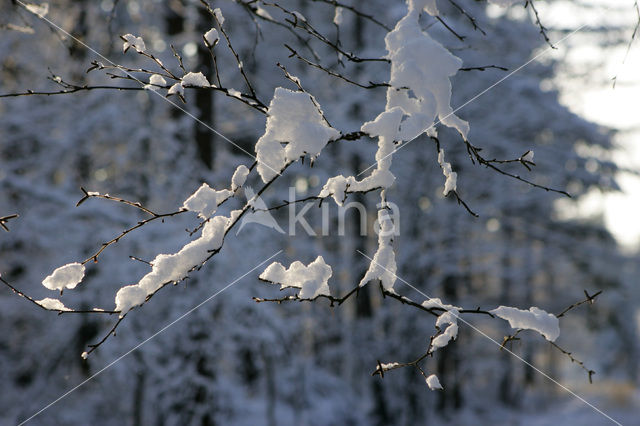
178 58
141 260
464 204
468 16
573 359
482 68
382 368
474 154
356 12
371 85
154 216
5 219
590 299
451 30
543 29
253 12
140 224
135 204
631 40
214 59
59 311
112 332
304 25
235 54
68 91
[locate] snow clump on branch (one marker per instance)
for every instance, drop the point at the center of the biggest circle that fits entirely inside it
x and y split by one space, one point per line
383 266
205 200
424 66
385 127
67 276
169 268
294 119
132 41
312 280
534 319
211 37
195 79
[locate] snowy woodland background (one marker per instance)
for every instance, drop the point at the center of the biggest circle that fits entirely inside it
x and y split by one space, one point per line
235 361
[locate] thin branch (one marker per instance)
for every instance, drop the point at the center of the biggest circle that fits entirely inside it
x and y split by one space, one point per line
295 298
631 40
451 30
235 54
135 204
482 68
356 12
432 310
371 85
214 59
469 17
160 64
112 332
464 204
68 91
178 58
253 12
97 65
590 300
5 219
304 25
543 29
154 216
21 294
511 338
67 88
474 154
635 31
573 359
383 368
59 311
140 224
141 260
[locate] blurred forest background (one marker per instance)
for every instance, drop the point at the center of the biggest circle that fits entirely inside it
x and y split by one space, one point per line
234 361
